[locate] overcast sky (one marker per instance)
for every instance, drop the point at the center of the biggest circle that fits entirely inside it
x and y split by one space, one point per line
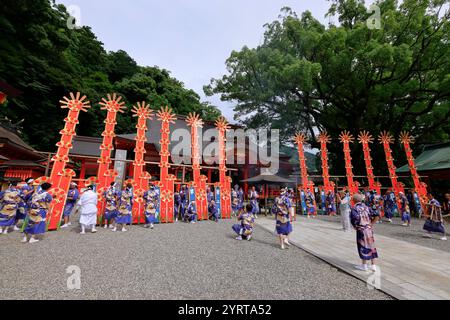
190 38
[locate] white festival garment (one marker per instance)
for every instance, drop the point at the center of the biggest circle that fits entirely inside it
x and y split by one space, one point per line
88 203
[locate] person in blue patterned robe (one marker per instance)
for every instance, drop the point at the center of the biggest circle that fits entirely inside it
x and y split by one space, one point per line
435 222
72 197
244 229
390 205
176 205
235 202
37 213
209 195
362 219
283 224
184 201
254 201
125 206
191 213
330 203
310 204
405 210
26 191
213 212
241 199
151 205
111 198
9 206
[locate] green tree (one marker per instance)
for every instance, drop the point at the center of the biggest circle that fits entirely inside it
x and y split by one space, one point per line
306 76
43 58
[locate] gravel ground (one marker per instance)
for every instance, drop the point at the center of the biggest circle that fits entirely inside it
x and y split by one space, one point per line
176 261
412 234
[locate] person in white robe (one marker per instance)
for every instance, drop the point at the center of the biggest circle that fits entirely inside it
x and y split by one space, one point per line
88 208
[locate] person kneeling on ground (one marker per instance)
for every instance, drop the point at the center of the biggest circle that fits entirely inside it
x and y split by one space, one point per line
88 205
435 222
362 220
191 213
244 229
213 211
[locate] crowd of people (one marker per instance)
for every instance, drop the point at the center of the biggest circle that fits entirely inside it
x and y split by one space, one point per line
24 207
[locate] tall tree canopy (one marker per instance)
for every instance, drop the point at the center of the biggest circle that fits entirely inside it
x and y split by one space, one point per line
43 58
306 76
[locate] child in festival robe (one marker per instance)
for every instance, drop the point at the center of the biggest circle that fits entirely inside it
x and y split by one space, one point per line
330 203
310 204
176 205
389 205
213 212
244 229
254 199
404 210
191 213
88 204
26 191
235 202
110 197
72 197
125 198
283 222
37 213
150 200
362 219
435 222
9 202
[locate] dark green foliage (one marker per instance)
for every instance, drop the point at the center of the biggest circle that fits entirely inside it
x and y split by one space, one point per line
43 58
306 76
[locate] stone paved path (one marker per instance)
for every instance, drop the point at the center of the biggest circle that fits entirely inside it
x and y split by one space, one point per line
408 271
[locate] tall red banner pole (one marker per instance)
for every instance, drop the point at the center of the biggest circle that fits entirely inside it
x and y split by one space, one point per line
346 138
112 105
143 112
75 104
300 139
365 138
225 185
421 188
195 122
324 139
386 139
166 116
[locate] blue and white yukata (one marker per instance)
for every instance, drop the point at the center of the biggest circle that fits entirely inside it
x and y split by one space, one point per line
176 205
434 221
72 197
361 220
254 196
374 204
37 213
213 212
389 205
184 202
283 222
9 202
209 196
309 200
404 209
235 202
124 213
110 196
331 205
245 227
191 213
25 196
241 199
151 205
